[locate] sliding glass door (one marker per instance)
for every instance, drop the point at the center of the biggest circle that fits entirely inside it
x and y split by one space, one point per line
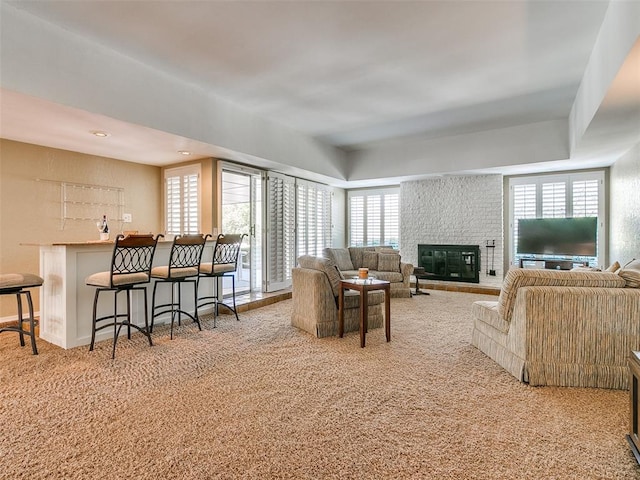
242 213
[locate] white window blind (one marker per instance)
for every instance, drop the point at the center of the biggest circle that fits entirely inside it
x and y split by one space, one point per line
356 221
557 196
585 198
554 200
313 229
374 217
182 200
280 238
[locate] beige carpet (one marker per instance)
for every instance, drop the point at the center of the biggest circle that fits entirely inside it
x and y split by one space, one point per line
259 399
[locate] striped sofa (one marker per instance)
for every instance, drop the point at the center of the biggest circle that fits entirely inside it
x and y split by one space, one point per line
563 328
383 262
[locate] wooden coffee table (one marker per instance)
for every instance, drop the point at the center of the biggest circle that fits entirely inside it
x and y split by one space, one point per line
365 286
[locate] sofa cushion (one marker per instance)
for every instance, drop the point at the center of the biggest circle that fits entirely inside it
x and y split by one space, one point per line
631 273
370 260
340 257
487 311
352 298
521 277
324 265
356 255
393 277
388 262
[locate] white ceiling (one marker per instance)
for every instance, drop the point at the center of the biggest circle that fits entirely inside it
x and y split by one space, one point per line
349 73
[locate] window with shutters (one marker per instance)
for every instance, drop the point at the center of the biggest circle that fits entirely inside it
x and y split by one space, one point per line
281 231
182 200
558 196
374 217
313 217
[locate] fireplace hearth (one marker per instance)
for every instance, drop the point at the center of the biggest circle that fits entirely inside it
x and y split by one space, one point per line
457 263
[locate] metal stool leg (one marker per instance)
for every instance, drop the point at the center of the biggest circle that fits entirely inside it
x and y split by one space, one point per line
34 349
20 320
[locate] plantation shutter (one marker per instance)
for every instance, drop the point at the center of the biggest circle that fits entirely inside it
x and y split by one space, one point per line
524 206
554 202
585 198
356 221
374 217
313 218
182 200
280 235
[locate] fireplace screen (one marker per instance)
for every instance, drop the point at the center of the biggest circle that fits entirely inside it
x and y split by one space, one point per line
459 263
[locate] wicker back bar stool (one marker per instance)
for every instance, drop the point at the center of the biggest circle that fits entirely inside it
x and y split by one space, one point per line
130 271
184 260
226 253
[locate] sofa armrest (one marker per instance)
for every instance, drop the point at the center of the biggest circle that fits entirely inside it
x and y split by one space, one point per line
407 270
311 290
576 336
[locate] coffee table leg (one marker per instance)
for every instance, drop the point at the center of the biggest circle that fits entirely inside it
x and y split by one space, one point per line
364 312
341 312
387 313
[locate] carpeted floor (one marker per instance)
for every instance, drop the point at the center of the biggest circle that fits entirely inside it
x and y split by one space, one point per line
258 399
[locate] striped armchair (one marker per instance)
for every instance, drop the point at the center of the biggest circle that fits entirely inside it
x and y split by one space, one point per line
316 284
564 328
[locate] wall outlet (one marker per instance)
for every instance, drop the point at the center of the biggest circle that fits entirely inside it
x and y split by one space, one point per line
126 217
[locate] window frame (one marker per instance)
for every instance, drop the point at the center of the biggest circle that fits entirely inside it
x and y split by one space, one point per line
380 192
182 172
568 179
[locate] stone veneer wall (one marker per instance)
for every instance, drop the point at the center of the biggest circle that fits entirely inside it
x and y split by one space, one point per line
624 211
463 210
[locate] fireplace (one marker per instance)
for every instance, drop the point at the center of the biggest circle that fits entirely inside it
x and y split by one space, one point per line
458 263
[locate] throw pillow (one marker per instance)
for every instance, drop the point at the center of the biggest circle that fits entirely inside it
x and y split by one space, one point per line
342 258
615 266
370 260
631 273
324 265
388 262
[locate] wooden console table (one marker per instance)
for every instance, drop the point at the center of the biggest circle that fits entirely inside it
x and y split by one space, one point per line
365 286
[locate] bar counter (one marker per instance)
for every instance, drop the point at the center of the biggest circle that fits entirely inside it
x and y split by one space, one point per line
66 303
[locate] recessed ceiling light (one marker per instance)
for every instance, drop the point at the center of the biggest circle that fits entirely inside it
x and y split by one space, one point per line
184 152
99 133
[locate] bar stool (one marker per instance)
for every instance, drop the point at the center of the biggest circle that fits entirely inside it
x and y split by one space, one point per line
184 260
225 263
16 284
130 270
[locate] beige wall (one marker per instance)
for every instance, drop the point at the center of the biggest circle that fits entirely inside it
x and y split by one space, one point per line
30 210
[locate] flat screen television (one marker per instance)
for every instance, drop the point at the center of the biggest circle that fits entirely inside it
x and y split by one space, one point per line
558 236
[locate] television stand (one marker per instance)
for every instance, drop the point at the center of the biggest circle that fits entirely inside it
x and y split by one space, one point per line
554 264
